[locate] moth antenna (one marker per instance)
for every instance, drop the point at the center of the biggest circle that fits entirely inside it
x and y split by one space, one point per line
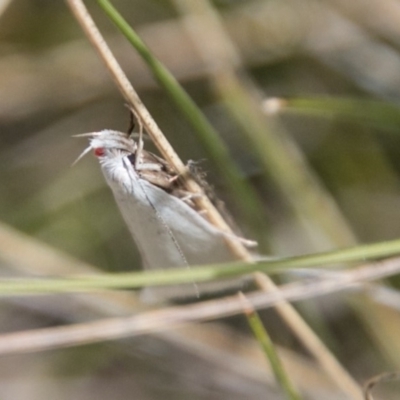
139 148
84 152
90 134
140 139
132 117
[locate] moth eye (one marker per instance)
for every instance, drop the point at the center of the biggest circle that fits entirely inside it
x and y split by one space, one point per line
99 151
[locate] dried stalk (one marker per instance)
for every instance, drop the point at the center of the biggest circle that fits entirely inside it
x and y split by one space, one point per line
130 95
173 317
223 59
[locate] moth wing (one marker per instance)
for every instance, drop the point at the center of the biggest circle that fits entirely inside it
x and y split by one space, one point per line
167 231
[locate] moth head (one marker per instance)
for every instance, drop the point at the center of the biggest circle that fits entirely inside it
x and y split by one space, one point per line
107 142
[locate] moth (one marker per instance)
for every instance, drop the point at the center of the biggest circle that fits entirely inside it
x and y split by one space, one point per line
161 216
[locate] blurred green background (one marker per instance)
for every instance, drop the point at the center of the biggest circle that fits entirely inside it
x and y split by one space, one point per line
335 180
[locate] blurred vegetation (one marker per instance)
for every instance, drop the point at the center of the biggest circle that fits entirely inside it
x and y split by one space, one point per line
334 183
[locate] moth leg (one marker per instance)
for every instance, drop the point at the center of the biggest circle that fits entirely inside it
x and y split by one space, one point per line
139 149
139 146
174 178
154 174
245 242
191 196
132 117
186 196
147 166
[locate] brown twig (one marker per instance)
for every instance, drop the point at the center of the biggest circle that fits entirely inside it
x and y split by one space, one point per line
173 317
130 95
223 59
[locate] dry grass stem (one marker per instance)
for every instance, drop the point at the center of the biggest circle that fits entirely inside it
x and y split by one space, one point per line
222 60
129 93
28 256
211 340
173 317
3 6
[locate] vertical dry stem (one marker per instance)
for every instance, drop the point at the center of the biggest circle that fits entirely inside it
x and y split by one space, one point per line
130 95
222 58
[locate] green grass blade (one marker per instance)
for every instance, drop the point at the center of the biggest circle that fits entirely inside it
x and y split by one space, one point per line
261 334
249 203
132 280
378 113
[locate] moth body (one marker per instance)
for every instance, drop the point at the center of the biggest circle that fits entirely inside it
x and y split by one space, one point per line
167 230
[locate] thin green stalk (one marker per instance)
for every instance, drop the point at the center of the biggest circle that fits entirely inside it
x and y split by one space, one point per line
251 207
283 161
378 113
266 344
132 280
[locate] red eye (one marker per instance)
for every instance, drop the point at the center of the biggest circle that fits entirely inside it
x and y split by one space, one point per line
99 152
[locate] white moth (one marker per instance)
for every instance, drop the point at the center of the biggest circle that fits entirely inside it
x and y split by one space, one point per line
163 221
